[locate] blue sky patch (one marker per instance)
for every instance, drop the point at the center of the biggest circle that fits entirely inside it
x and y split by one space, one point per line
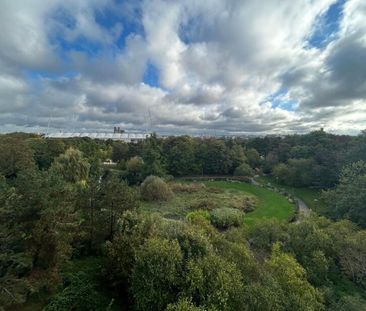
279 99
327 26
151 75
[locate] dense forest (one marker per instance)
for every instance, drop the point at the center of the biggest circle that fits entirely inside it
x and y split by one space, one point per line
79 233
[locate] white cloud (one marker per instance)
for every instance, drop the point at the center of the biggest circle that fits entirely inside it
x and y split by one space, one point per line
219 62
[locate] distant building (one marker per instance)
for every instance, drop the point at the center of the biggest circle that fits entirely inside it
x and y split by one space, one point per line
125 137
109 162
117 129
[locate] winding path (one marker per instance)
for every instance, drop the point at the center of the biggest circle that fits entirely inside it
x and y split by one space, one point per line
304 210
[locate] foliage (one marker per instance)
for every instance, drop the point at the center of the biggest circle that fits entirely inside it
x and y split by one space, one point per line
243 170
15 156
72 166
198 215
155 189
156 274
116 197
348 200
134 170
62 208
300 295
224 218
183 304
253 157
119 152
214 283
79 294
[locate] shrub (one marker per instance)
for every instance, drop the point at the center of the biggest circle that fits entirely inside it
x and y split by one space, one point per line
183 305
205 204
155 189
243 170
80 294
224 218
188 188
198 215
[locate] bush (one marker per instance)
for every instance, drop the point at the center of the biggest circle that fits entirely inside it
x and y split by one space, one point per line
80 294
188 188
155 189
198 215
205 204
226 217
183 305
243 170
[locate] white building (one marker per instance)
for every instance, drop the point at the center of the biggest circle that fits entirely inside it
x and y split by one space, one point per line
126 137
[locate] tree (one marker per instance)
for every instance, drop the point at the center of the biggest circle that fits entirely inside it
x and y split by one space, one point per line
15 156
254 158
152 157
72 166
243 170
156 275
348 200
214 157
180 154
133 229
119 151
215 283
237 157
46 150
134 170
299 294
353 257
116 198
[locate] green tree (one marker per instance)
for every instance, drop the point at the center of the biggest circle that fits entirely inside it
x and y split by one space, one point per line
72 166
15 156
214 157
156 275
348 200
116 198
46 150
215 283
152 157
291 277
254 158
119 151
134 168
180 154
243 170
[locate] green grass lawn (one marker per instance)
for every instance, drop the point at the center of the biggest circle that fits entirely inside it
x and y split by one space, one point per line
270 204
308 195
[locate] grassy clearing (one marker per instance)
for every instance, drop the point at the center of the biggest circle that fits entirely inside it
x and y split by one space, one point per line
267 204
206 198
308 195
270 204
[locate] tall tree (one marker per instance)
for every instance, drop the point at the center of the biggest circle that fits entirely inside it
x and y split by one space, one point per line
72 166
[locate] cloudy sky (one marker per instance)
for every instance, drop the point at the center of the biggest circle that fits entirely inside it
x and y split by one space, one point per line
188 66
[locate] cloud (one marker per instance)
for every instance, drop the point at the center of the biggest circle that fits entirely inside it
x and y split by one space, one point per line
223 66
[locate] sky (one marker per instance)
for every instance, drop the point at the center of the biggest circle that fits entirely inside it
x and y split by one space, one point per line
183 66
